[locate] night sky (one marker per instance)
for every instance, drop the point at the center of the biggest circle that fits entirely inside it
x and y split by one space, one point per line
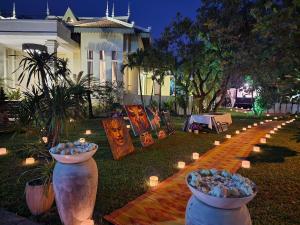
154 13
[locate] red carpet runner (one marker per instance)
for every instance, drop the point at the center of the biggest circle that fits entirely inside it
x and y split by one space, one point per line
166 204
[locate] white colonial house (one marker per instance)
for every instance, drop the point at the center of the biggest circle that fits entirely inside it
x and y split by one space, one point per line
95 45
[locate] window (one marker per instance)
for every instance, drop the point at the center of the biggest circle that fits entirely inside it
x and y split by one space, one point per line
102 69
90 62
114 55
114 71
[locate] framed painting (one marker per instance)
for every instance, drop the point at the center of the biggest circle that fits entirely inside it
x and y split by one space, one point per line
138 119
118 137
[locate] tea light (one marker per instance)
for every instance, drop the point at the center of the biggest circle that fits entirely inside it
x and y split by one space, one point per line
275 129
244 128
45 139
128 126
196 131
279 126
181 165
3 151
263 140
283 124
153 181
195 155
82 140
228 136
29 161
237 131
261 122
272 132
246 164
88 132
255 124
249 126
268 136
217 143
256 148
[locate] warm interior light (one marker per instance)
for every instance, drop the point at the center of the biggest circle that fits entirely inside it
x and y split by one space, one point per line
29 161
256 148
181 165
153 181
228 136
3 151
246 164
195 155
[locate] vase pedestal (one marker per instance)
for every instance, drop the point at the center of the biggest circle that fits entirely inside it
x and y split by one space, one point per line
198 213
75 187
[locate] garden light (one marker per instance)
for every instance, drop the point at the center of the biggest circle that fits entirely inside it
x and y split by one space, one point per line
272 132
29 161
255 124
268 136
263 140
244 128
256 148
3 151
217 143
228 136
246 164
153 181
237 131
181 165
88 132
195 155
249 126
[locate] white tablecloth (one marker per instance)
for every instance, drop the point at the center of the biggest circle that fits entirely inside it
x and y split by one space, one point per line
207 119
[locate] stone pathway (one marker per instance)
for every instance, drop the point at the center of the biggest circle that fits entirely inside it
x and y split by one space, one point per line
165 205
8 218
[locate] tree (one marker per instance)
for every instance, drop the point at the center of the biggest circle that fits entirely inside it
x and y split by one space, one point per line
136 60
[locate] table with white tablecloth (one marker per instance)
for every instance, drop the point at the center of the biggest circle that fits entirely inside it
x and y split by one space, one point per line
207 119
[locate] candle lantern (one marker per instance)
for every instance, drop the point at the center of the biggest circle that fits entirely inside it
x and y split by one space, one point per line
256 148
249 126
246 164
268 115
244 128
190 130
261 122
272 132
181 165
279 126
3 151
263 140
88 132
228 136
268 136
217 143
275 129
237 131
283 124
275 118
195 155
255 124
29 161
153 181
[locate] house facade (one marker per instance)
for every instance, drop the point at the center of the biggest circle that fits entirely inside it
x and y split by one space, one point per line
94 45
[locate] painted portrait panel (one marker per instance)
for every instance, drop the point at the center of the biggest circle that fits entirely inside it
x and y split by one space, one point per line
138 119
146 139
118 137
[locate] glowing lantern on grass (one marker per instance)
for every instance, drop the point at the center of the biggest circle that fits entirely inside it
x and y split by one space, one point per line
279 126
237 131
228 136
195 155
88 132
244 128
246 164
263 140
153 181
3 151
181 165
29 161
249 126
272 132
255 124
217 143
268 136
196 131
256 148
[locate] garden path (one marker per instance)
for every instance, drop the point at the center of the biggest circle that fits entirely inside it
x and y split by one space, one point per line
165 205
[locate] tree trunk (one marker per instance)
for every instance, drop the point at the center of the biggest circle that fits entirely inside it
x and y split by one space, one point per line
141 91
91 115
159 97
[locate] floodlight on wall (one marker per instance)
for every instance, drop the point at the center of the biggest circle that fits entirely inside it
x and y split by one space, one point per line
31 47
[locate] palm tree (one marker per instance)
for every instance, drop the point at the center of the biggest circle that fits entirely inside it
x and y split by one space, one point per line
136 60
47 68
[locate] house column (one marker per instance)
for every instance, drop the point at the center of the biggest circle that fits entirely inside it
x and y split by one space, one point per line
52 46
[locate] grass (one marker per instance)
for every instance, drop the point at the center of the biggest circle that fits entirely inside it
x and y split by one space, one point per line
119 181
276 172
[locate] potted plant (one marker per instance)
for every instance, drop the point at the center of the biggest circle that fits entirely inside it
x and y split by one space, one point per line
39 189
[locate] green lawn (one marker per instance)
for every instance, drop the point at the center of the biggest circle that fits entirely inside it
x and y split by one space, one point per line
119 181
276 171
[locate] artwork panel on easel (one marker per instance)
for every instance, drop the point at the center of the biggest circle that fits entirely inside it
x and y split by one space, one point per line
146 139
138 119
166 119
118 137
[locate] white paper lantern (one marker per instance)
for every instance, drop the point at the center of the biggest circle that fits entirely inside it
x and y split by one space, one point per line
268 136
3 151
244 128
275 118
261 122
153 181
256 148
246 164
275 129
279 126
228 136
195 155
190 130
88 132
181 165
268 115
272 132
283 124
237 131
217 143
263 140
249 126
255 124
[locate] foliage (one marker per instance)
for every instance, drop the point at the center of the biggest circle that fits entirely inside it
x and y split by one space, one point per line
3 96
14 94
